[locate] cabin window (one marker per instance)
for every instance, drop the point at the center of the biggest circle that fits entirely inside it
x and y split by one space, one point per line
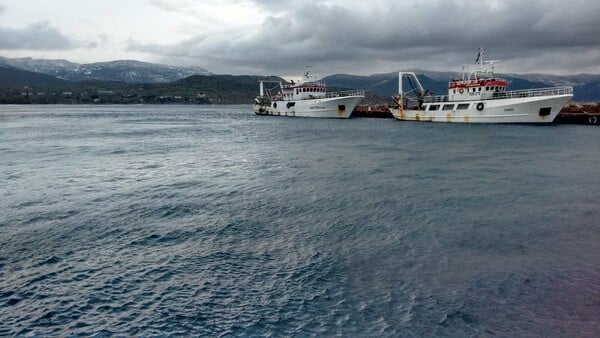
454 91
479 89
463 106
448 107
487 88
434 107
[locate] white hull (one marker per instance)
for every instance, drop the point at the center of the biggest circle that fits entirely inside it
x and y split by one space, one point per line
512 110
335 107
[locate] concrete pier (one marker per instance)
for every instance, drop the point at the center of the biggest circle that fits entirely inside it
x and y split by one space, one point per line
580 113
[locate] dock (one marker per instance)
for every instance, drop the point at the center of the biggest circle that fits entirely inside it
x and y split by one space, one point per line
580 113
378 111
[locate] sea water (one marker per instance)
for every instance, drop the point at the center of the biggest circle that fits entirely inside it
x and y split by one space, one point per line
210 221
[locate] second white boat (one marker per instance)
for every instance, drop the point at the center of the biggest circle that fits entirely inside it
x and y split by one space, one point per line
479 97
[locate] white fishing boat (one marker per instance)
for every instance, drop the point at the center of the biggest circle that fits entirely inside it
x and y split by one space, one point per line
479 97
305 99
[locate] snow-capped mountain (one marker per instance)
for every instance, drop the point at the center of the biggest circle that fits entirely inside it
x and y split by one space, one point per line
130 71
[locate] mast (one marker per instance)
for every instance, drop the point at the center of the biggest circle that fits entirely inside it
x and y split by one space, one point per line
479 59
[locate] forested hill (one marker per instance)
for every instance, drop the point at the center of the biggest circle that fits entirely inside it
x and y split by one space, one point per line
14 78
20 86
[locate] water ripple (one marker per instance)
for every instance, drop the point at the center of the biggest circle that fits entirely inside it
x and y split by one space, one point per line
211 221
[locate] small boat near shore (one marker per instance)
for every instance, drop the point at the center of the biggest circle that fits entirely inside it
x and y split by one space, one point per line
479 97
305 99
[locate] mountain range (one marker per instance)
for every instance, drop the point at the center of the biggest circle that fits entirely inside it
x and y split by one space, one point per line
129 71
18 86
127 79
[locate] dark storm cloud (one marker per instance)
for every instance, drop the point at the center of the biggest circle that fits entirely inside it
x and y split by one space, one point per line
37 36
180 49
437 34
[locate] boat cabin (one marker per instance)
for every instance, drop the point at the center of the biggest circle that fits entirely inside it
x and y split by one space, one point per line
479 84
475 89
304 91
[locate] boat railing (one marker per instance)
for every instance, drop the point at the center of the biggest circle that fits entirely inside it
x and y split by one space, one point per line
278 97
553 91
345 93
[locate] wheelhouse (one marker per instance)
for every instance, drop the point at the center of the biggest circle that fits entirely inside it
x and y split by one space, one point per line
304 91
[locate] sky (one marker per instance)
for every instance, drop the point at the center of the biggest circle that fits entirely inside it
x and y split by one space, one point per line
282 37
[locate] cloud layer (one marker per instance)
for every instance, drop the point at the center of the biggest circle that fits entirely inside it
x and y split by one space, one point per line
37 36
543 35
334 36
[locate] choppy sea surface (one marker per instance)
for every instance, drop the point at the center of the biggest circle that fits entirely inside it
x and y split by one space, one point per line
212 221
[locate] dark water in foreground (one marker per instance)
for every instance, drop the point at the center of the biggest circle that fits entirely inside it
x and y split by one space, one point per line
166 220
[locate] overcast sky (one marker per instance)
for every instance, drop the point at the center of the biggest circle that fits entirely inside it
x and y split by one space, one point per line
281 37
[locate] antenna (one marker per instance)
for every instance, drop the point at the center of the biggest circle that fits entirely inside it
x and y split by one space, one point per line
480 55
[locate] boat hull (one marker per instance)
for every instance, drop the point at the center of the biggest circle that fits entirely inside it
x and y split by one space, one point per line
538 109
336 107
